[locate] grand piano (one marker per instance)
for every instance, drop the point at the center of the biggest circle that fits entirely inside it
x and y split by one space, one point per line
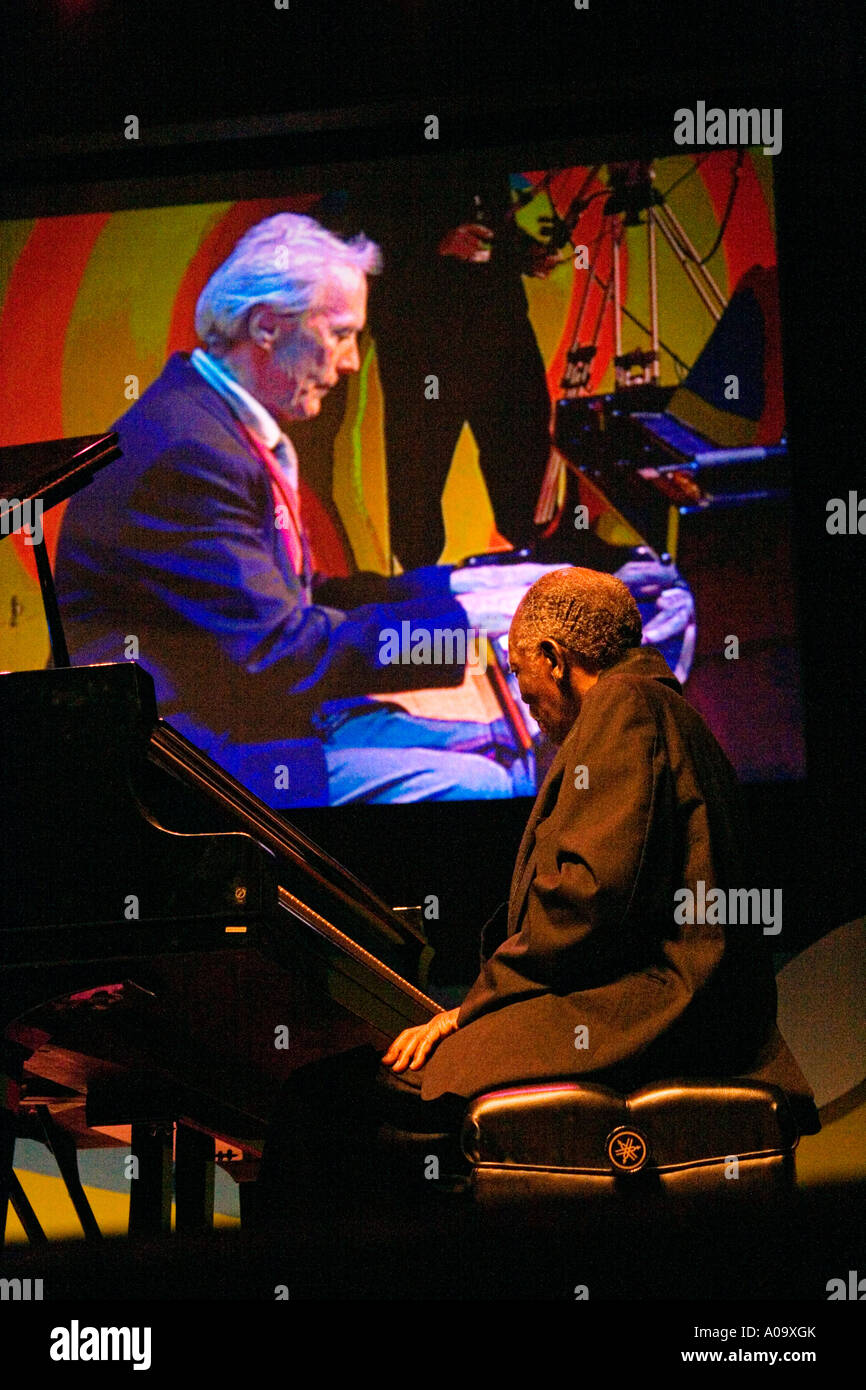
172 950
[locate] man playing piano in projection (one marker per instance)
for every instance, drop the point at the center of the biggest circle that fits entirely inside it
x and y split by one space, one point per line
193 545
639 802
189 554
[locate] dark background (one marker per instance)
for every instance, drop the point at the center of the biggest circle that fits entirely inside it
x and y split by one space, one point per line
243 86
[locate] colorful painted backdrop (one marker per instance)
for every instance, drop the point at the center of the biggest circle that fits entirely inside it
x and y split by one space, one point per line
92 305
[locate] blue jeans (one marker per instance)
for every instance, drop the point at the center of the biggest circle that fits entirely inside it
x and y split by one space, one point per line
374 753
377 753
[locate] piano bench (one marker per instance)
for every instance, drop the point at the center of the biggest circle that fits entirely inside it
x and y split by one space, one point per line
683 1141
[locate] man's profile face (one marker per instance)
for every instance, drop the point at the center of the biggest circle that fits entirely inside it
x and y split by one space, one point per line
314 349
551 702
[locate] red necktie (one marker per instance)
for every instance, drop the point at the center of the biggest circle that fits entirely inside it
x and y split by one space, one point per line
285 498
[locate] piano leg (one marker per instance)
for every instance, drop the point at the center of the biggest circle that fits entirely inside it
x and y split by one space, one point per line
194 1168
150 1191
12 1060
25 1213
62 1148
7 1159
247 1196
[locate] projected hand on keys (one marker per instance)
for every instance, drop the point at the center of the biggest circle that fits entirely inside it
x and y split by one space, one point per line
489 594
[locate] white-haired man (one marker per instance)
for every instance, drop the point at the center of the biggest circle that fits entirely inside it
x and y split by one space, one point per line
190 553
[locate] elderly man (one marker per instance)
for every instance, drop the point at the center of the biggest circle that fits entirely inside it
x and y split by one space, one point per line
190 554
586 971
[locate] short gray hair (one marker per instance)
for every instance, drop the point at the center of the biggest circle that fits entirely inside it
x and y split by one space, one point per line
592 615
281 261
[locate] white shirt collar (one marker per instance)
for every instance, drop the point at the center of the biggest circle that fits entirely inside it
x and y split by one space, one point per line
249 411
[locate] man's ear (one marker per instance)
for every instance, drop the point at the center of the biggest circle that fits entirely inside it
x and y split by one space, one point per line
554 654
263 326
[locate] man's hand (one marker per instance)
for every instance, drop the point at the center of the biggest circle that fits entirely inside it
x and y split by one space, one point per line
646 576
469 242
492 610
412 1047
541 261
468 579
489 594
675 612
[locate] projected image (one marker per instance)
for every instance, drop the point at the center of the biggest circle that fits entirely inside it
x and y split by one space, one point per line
358 424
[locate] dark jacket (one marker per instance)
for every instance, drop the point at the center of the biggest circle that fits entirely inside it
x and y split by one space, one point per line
176 545
590 940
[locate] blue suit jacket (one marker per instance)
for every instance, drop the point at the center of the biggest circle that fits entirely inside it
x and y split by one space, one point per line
176 545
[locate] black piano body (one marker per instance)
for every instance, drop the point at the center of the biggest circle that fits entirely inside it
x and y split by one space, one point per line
170 946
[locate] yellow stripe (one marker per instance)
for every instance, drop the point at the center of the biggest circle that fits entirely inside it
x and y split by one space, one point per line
673 537
684 322
13 238
24 646
359 487
725 430
56 1214
119 326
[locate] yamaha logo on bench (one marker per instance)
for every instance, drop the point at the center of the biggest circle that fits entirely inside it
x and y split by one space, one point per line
627 1150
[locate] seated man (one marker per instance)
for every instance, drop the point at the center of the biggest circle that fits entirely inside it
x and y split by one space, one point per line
639 804
190 554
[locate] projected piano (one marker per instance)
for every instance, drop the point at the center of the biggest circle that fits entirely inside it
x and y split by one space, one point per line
701 471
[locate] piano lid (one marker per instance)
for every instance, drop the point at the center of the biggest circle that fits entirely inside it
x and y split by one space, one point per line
117 821
53 469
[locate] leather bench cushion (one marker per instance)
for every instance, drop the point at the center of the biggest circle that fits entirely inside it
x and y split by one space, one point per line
758 1178
567 1125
